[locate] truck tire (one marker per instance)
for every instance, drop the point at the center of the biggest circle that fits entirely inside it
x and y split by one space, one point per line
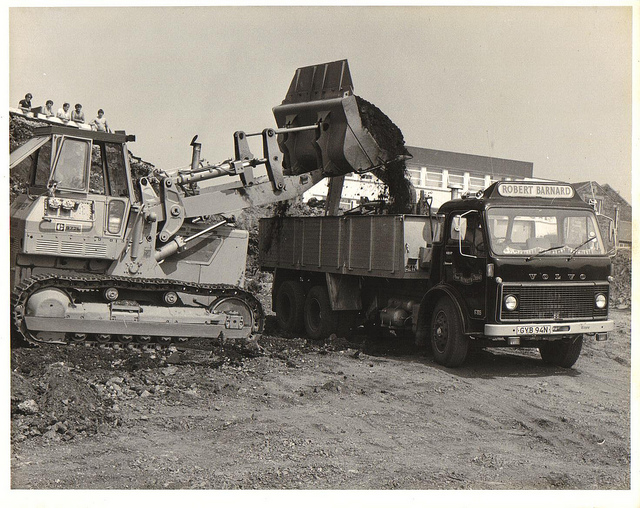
563 353
449 344
320 320
290 306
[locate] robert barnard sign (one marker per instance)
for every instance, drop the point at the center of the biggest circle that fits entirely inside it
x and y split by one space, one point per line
535 190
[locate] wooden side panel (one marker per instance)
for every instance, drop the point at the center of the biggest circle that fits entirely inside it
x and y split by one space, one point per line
331 251
386 235
353 245
311 242
359 244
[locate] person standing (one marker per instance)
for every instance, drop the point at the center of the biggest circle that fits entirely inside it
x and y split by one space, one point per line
99 123
78 115
48 109
25 104
63 113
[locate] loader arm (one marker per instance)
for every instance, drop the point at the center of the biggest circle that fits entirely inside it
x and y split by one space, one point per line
320 134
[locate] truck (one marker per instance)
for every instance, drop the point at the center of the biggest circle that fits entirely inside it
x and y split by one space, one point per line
98 255
520 264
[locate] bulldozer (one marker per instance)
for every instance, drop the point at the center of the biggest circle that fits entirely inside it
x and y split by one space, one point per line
98 256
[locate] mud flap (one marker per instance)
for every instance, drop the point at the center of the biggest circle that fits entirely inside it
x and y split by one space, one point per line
344 292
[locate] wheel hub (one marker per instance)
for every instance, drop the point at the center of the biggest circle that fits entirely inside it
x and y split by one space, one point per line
441 332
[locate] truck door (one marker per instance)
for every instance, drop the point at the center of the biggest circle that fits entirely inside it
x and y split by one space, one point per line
465 260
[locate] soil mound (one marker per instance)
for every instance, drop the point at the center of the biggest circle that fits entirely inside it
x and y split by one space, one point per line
621 286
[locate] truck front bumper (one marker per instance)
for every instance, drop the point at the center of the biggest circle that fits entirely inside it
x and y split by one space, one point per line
542 329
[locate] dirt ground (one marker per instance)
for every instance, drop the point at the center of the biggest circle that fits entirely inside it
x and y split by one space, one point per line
292 414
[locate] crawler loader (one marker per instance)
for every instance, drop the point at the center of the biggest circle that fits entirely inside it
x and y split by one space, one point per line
98 256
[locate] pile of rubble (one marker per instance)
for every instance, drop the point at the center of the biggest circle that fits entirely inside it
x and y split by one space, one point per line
59 393
621 286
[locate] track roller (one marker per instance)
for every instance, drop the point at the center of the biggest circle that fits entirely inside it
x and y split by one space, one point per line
111 294
170 297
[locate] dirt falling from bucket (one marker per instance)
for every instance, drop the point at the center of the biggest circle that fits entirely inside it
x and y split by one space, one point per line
394 174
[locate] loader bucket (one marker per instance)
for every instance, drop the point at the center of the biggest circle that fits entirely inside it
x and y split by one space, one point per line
345 140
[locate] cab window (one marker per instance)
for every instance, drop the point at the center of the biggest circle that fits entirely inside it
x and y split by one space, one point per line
466 230
43 165
116 169
96 175
70 167
36 168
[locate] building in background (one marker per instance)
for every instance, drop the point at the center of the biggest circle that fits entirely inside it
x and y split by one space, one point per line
609 203
437 173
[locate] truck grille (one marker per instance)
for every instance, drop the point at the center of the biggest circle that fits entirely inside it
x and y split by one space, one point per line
554 302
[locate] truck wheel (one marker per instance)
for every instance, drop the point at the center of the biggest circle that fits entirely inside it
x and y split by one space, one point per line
320 320
290 306
563 353
449 344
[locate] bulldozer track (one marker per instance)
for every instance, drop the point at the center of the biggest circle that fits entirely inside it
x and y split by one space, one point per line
144 287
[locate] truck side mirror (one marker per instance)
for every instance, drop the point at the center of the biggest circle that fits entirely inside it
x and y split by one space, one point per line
456 224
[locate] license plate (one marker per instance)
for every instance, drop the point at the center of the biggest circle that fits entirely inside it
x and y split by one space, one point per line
533 330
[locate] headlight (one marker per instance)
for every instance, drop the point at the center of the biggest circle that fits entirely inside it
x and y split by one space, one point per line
601 301
115 216
54 203
510 302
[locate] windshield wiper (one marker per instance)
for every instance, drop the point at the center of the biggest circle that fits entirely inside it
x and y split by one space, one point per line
545 250
573 252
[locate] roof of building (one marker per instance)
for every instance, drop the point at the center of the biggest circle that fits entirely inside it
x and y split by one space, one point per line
605 189
479 164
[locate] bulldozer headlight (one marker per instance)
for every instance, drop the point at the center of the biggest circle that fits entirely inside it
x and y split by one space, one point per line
601 301
115 216
54 203
510 302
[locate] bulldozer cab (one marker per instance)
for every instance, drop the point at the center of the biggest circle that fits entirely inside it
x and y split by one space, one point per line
79 184
64 161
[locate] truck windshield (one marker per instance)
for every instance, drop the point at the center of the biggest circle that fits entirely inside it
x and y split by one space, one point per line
544 232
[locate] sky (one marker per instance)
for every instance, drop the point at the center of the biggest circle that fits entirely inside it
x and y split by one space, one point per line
548 85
